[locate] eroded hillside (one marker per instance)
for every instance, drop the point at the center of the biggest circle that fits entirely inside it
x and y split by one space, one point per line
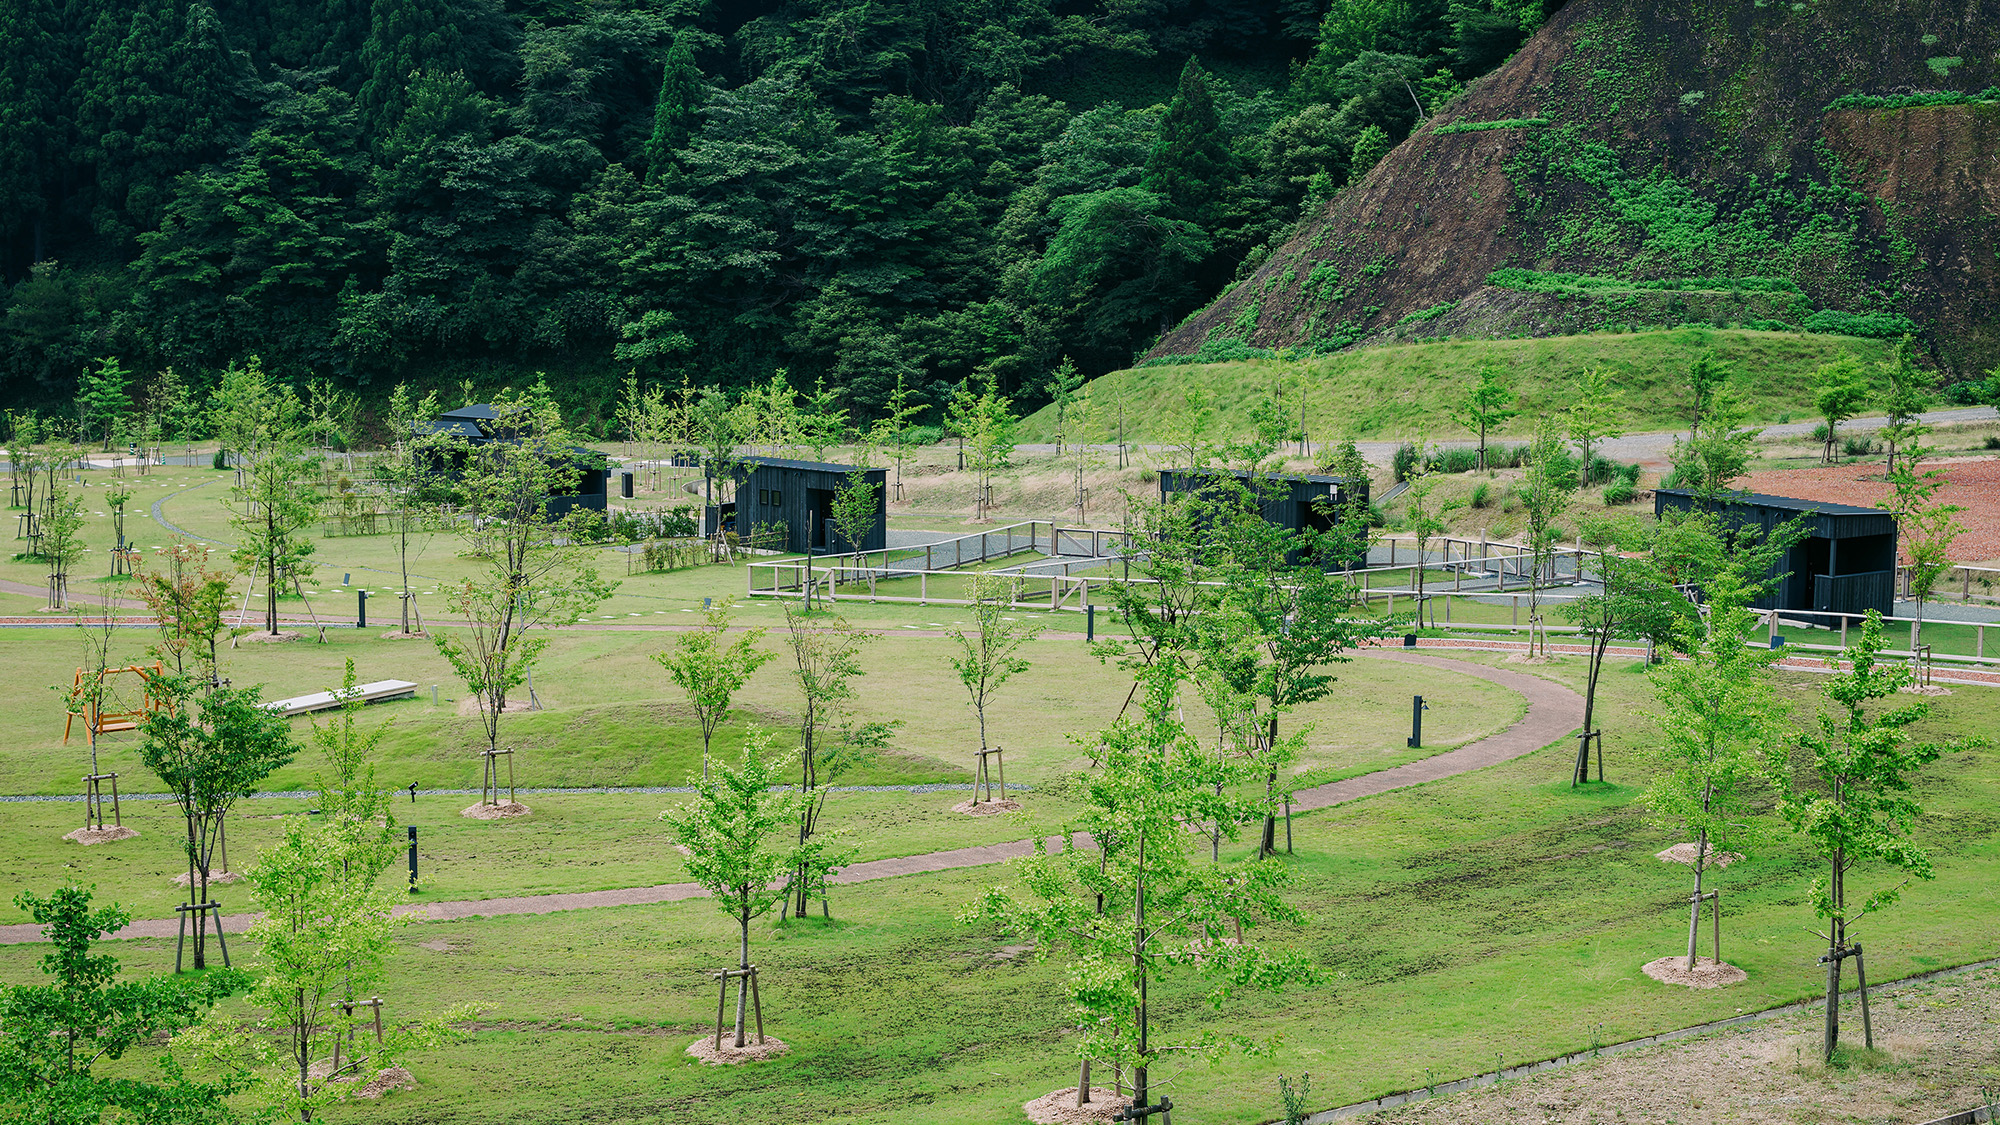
1831 165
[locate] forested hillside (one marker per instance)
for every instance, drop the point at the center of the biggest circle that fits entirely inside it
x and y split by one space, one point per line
850 190
1832 166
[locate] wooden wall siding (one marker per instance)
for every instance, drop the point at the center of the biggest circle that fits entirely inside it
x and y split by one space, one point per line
795 494
1846 563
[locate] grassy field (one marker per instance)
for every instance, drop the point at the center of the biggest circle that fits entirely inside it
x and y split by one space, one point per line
1497 916
1399 391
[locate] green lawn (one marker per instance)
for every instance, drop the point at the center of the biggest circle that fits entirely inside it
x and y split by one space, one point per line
1495 916
1405 389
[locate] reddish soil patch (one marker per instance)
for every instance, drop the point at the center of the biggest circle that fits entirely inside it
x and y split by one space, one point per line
1973 483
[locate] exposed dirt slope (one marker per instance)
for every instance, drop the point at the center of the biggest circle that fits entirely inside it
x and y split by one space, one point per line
1689 140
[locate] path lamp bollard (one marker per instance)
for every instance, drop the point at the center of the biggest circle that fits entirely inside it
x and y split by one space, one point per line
1089 623
1417 709
361 610
413 846
413 800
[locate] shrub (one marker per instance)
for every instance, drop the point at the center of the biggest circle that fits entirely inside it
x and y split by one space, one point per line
1620 492
1857 447
1629 474
1992 442
1482 495
1878 325
1819 433
1456 461
923 435
1403 461
221 460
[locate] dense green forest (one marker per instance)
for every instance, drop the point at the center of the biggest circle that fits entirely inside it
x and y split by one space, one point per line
848 190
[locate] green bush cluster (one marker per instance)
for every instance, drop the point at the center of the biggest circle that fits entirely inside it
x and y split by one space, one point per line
1482 126
1907 101
1431 313
1542 281
1878 325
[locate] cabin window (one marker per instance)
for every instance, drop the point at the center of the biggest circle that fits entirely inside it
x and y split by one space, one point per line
777 499
764 496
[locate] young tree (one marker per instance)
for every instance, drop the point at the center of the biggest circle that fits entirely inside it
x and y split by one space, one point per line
892 430
210 746
726 829
62 540
1707 382
1081 426
823 423
1905 399
986 659
712 672
1592 416
1161 912
411 475
102 398
1545 493
1717 716
825 660
715 435
1485 406
986 421
1709 462
1634 599
1064 383
273 513
52 1036
1187 431
1846 789
1426 520
1927 525
857 505
1840 391
187 601
538 570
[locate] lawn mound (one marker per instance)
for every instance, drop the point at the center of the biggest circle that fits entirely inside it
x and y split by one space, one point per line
1060 1108
1707 972
729 1054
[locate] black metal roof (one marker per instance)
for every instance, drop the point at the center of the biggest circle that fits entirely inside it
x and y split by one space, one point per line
464 427
478 410
809 466
1785 503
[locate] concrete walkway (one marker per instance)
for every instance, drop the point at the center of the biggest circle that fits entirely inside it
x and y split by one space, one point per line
1552 712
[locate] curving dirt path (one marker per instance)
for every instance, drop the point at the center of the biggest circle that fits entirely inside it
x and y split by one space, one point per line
1551 714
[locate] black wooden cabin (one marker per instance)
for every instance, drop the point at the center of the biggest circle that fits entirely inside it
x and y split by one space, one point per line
1306 502
796 496
1846 564
479 425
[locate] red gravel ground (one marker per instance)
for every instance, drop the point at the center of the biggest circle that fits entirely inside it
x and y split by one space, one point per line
1971 482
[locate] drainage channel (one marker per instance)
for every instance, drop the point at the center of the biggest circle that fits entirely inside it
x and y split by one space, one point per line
1409 1097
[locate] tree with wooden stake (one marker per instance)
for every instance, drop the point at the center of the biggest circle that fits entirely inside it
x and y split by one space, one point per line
1840 391
1545 493
415 486
892 430
536 572
62 540
1634 599
325 934
1845 787
1717 717
1927 528
711 672
272 512
54 1035
210 746
1485 406
1162 913
87 697
857 505
987 657
1425 520
825 660
1904 401
728 828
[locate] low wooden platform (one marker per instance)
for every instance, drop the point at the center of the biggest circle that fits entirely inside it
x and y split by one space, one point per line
324 700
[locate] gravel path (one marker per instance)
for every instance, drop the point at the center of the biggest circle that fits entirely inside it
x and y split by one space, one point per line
1551 713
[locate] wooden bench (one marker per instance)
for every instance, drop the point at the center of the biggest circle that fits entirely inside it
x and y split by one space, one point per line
324 700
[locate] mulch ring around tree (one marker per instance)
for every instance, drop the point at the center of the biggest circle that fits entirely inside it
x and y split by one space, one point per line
394 1078
986 808
399 635
730 1054
89 836
501 811
271 638
181 880
1707 972
1060 1108
1684 853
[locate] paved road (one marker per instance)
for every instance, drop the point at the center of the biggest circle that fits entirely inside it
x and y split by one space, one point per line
1551 713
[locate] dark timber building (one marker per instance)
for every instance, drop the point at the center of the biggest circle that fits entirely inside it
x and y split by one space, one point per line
1846 563
796 495
479 425
1301 503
